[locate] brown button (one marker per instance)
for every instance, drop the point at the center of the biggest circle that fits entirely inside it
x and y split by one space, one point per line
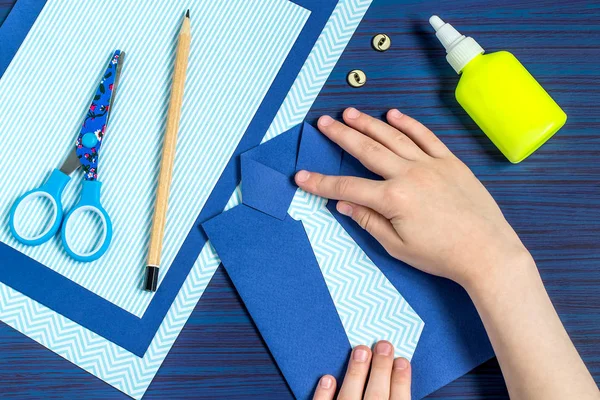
356 78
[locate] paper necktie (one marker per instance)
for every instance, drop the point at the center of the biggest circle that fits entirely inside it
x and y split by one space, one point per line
369 306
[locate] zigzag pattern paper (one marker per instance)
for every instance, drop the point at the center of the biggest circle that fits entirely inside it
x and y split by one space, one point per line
370 307
128 373
332 42
216 88
114 365
315 71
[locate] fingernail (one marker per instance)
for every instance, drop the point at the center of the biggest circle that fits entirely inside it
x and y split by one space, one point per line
345 209
400 363
360 355
325 120
383 348
395 113
352 113
302 176
326 382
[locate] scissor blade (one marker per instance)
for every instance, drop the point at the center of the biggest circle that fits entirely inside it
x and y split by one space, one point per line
94 126
71 163
101 106
115 84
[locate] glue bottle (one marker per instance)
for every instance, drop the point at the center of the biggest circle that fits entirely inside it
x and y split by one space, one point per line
501 96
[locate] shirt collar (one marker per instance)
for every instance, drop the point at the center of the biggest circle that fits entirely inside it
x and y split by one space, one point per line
268 170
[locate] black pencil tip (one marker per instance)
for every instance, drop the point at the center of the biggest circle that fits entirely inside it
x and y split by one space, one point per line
187 14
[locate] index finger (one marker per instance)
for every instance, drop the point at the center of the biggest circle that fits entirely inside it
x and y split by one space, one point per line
350 188
372 154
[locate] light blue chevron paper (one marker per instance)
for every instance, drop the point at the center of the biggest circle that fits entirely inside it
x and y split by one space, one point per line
119 368
370 307
233 61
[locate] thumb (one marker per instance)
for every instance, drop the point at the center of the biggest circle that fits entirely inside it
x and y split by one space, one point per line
376 224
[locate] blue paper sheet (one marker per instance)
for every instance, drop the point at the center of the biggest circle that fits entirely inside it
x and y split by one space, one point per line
93 352
272 267
94 312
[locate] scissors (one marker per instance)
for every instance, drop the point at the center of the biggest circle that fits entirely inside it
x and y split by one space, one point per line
83 155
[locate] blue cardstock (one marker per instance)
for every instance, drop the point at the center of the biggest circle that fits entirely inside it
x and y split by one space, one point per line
84 307
274 171
324 161
15 27
272 266
255 176
280 281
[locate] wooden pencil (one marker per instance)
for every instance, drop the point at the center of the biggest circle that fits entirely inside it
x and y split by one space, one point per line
168 155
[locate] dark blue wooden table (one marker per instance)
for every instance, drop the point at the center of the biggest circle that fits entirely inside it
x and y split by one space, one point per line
552 199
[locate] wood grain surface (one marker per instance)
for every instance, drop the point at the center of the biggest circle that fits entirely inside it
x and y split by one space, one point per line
552 199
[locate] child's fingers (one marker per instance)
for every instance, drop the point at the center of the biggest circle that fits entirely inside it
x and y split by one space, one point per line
326 388
381 371
419 133
376 224
385 134
356 374
350 188
401 379
372 154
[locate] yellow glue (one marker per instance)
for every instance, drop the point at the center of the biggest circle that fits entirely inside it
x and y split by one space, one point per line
501 96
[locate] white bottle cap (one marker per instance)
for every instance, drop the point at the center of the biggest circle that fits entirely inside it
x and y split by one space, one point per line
460 49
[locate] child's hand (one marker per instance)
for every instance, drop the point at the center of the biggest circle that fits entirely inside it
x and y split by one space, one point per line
389 378
430 211
433 213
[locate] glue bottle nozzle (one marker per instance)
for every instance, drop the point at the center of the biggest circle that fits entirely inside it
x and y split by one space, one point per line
460 49
436 22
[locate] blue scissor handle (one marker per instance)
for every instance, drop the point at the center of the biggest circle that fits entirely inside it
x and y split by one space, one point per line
89 201
52 190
